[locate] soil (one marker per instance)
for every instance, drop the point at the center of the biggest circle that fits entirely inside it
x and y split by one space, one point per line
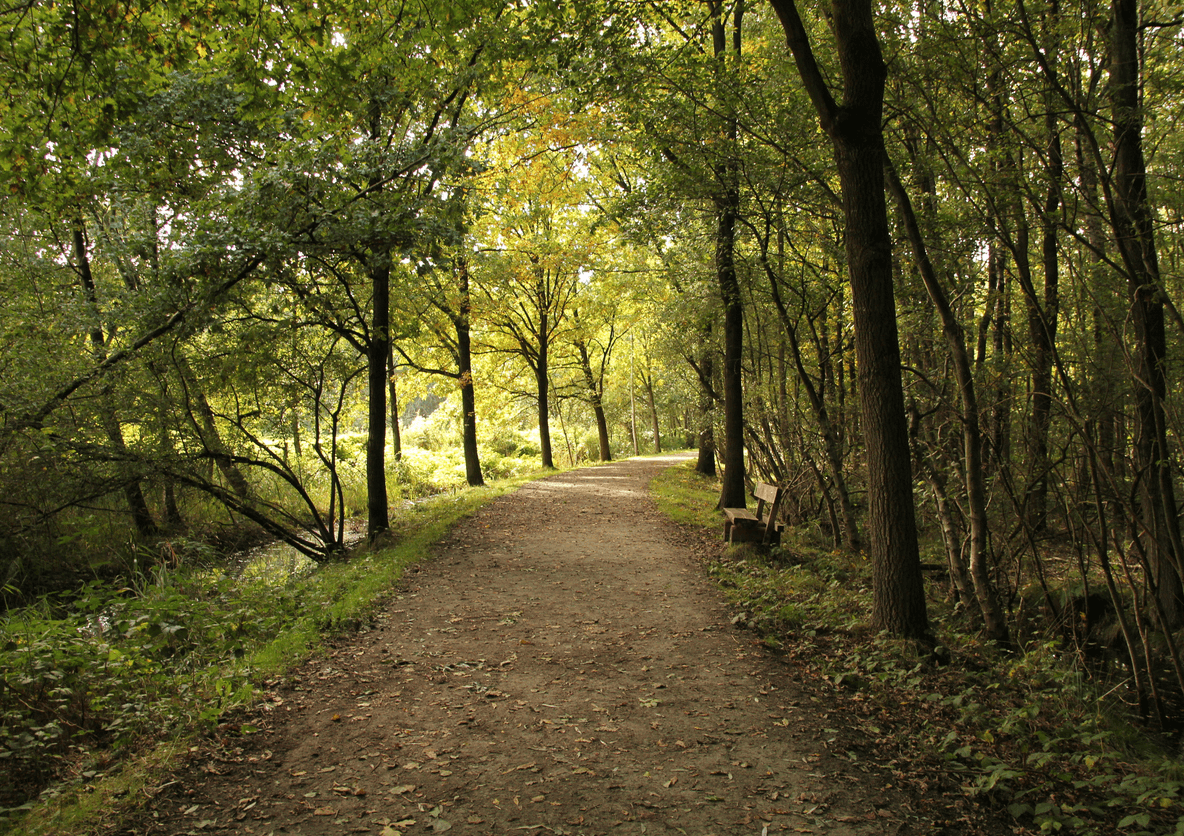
561 665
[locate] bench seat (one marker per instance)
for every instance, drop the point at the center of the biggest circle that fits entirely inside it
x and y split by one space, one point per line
744 526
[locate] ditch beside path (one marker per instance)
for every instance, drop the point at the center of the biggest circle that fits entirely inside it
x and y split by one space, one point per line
560 665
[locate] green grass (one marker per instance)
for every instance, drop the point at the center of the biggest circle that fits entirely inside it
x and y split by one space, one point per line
184 650
687 497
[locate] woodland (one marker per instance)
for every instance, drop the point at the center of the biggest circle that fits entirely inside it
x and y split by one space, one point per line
272 272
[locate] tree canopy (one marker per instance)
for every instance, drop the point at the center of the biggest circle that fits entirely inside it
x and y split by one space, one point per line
917 261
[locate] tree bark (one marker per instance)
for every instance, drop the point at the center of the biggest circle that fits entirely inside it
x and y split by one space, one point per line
648 380
377 510
378 265
815 395
133 490
1134 225
994 621
705 462
854 128
594 398
727 208
543 384
396 435
468 395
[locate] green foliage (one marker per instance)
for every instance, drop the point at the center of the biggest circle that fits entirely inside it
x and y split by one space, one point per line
92 681
85 679
1030 732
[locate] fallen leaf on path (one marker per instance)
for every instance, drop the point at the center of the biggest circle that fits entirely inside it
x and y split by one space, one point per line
324 811
402 788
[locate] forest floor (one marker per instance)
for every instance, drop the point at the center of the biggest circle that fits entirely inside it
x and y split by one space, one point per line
561 664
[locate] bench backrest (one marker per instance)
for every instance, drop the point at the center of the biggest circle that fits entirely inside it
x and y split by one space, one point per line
765 492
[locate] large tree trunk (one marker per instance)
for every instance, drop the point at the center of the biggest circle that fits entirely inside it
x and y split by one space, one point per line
727 208
854 128
1134 225
378 350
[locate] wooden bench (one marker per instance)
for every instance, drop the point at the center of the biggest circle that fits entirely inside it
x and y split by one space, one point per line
743 526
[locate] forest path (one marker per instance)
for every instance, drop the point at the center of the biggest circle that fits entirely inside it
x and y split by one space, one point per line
559 665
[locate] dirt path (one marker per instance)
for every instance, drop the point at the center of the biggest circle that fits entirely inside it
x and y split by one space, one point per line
560 666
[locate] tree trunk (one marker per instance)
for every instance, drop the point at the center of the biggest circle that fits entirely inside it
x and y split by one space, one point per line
830 438
705 463
468 395
854 128
727 208
396 435
1042 330
133 491
648 382
1134 225
378 513
606 450
543 383
994 620
378 349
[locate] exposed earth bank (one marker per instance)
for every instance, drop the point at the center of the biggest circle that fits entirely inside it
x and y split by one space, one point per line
559 665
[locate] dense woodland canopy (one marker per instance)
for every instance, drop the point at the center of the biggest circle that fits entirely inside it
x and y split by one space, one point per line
917 262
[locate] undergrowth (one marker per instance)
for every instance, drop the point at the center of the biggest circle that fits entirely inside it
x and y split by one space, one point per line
100 687
1028 732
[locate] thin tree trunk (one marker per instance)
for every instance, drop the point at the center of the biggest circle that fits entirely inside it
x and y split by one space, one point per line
834 457
594 398
133 491
994 620
705 462
648 382
468 394
396 434
1042 330
543 384
377 510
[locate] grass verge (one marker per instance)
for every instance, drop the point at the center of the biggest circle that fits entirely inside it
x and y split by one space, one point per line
103 693
1028 737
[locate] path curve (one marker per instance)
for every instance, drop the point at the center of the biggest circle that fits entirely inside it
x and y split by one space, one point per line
560 665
